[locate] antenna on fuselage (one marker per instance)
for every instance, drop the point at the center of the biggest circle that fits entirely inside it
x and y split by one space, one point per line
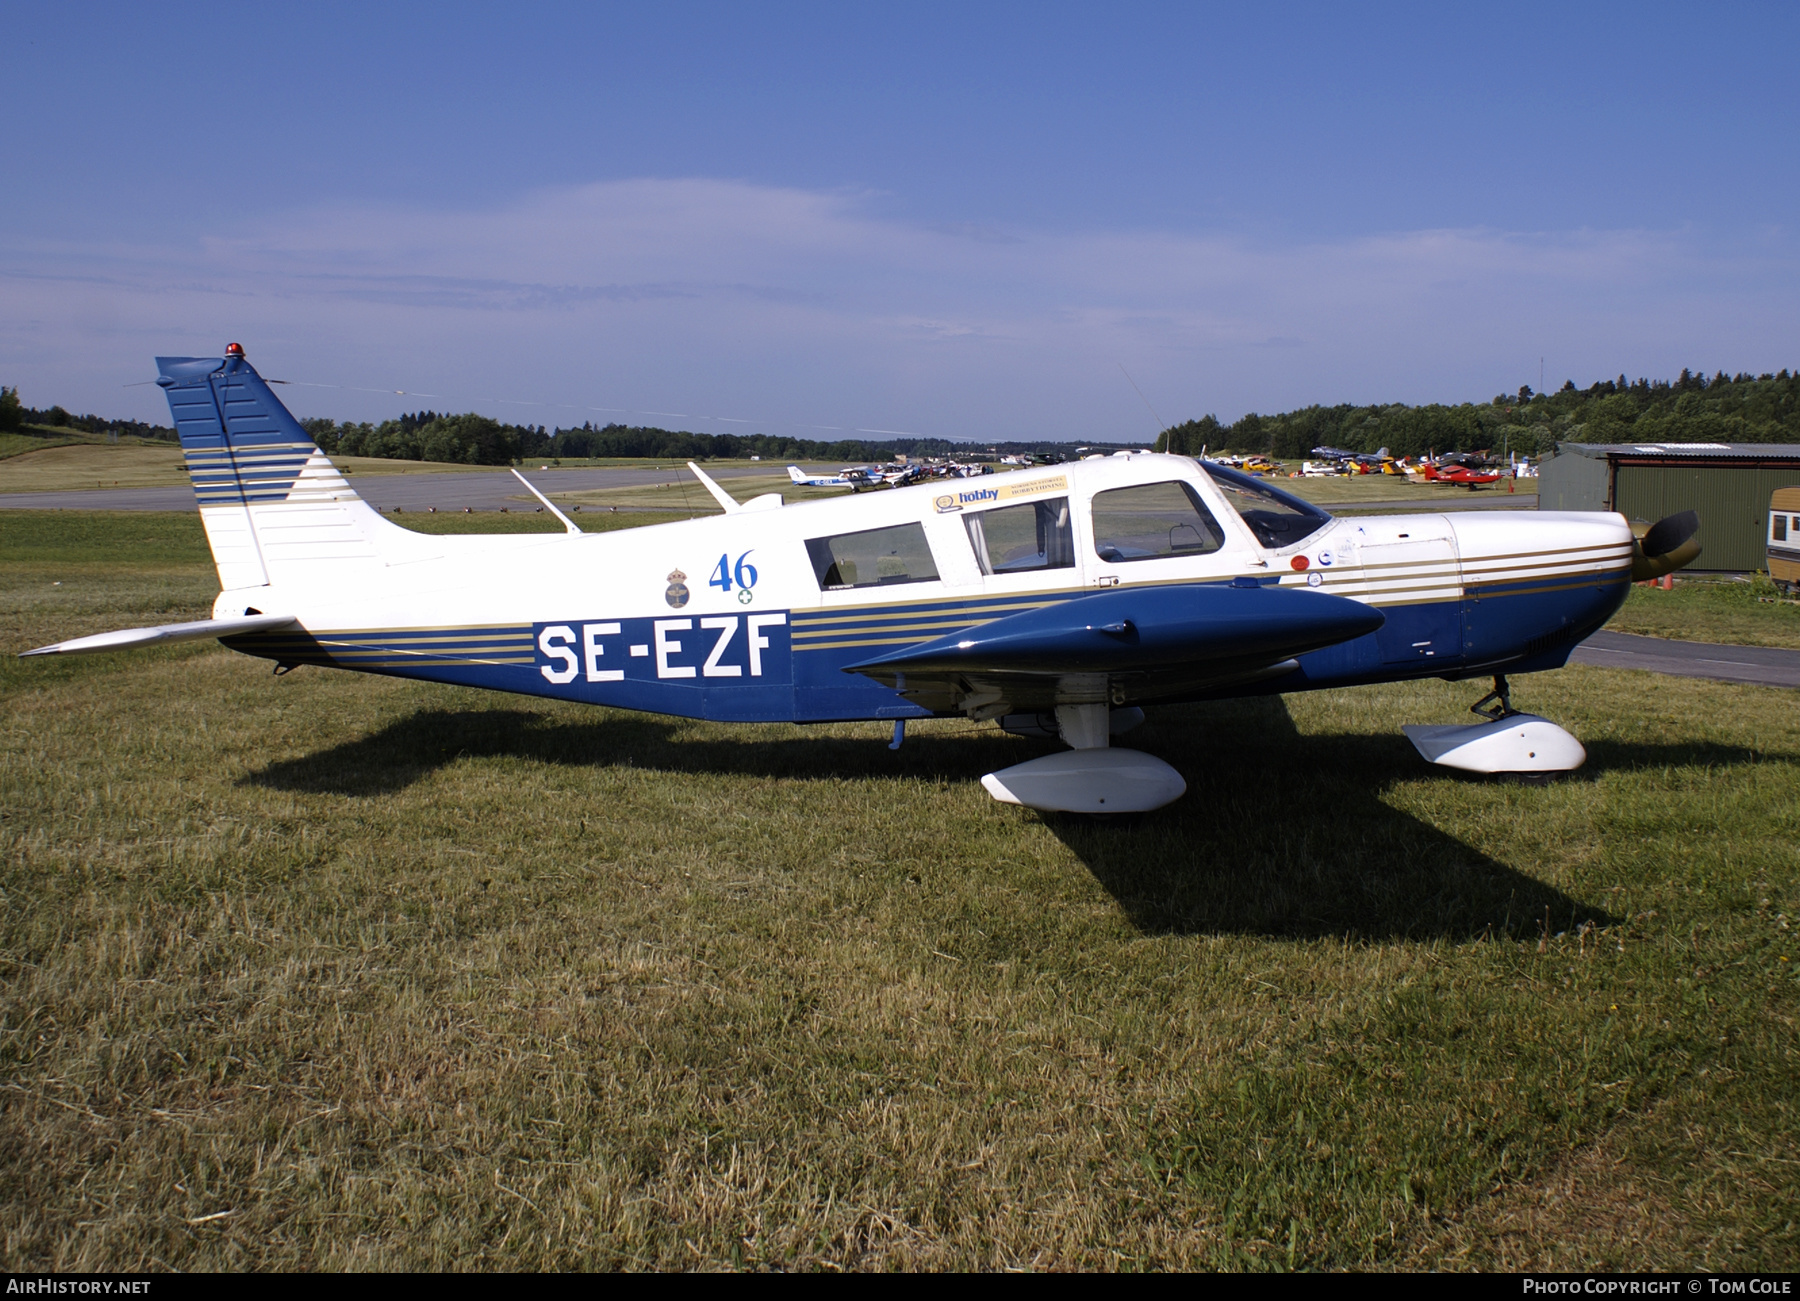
1160 426
724 498
568 523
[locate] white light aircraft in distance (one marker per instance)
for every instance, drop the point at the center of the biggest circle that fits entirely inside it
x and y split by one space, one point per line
846 479
1058 601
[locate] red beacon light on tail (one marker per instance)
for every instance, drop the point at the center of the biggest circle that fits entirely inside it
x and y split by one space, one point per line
234 350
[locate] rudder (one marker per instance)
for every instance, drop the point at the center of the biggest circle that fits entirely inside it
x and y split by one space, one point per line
273 504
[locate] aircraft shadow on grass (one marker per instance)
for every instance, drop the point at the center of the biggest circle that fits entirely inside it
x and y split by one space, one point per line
1281 835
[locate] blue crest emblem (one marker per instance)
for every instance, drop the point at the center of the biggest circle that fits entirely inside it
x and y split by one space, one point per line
677 593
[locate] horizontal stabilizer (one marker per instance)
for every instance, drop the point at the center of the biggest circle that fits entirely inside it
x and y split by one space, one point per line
1139 628
164 634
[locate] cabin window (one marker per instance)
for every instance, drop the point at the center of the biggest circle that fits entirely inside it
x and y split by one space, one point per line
1780 534
1153 521
1015 539
1277 518
872 558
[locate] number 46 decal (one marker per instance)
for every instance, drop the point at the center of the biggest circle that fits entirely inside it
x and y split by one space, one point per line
744 573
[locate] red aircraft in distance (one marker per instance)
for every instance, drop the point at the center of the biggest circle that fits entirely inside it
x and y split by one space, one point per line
1452 470
1461 474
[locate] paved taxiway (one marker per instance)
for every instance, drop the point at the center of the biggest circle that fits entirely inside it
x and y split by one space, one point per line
477 490
492 489
1765 666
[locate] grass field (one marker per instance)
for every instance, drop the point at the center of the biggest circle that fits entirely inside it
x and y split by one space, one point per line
30 464
40 465
69 466
684 495
330 971
17 444
1347 492
1713 609
1335 494
660 463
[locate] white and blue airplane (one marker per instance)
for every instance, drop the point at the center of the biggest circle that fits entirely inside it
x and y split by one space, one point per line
846 479
1058 601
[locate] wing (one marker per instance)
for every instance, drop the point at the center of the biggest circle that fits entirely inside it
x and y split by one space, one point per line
1125 645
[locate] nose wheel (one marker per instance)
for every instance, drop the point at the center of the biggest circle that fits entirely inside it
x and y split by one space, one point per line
1505 741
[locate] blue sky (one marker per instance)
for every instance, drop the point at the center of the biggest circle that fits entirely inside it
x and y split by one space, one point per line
955 220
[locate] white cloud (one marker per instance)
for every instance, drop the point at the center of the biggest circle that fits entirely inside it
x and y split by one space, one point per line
788 308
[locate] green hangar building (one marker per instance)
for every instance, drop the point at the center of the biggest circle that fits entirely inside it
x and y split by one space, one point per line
1727 483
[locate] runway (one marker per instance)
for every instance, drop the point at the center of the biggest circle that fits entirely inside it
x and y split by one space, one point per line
492 489
477 490
1759 665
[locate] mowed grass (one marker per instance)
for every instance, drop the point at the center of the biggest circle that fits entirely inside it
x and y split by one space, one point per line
664 463
332 971
15 444
68 466
46 461
685 495
1347 491
1713 609
37 465
682 493
525 521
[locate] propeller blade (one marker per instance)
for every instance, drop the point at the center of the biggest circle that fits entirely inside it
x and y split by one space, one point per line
1671 543
1667 534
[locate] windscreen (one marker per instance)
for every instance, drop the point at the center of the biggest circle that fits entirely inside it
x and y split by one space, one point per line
1278 519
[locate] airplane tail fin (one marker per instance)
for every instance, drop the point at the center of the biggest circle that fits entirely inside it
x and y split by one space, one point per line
276 509
796 474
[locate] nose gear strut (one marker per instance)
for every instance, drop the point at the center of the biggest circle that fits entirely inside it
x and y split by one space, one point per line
1501 695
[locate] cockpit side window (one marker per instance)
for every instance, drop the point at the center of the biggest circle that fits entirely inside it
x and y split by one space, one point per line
1278 519
1153 521
872 558
1016 539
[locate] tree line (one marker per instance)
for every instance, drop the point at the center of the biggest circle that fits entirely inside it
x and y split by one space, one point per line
1688 409
14 417
479 440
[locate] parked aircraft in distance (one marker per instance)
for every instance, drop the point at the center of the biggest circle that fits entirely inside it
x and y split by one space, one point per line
843 479
1463 477
1052 601
1377 462
1341 454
